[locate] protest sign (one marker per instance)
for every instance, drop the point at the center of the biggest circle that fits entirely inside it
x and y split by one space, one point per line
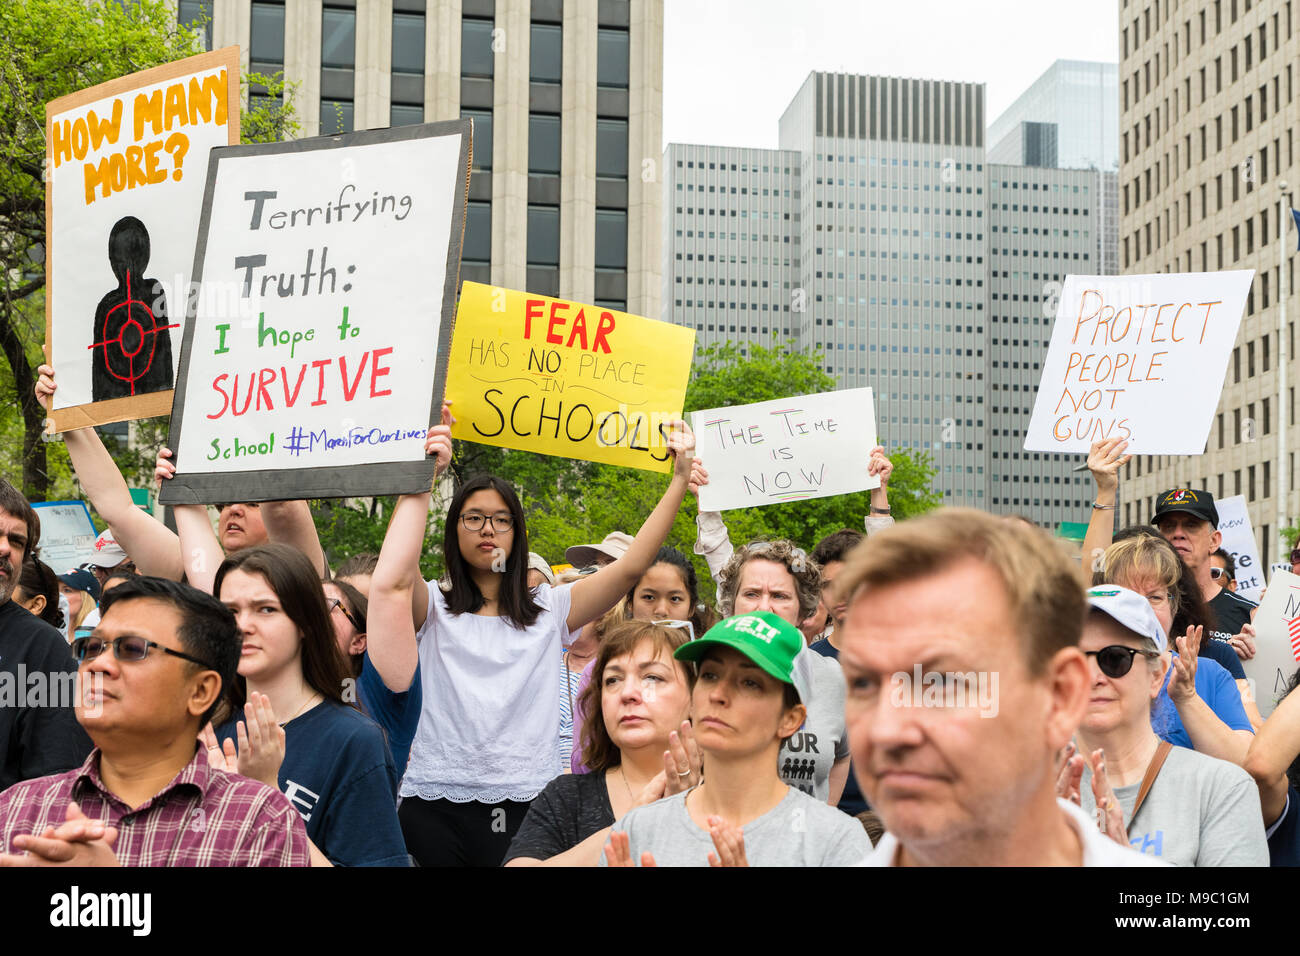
126 164
314 359
1239 541
563 378
788 449
1277 641
1140 358
67 534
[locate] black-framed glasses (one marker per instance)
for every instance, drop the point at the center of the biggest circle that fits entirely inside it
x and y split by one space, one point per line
336 603
1117 660
687 626
127 648
500 523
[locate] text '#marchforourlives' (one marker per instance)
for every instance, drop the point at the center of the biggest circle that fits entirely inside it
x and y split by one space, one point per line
75 909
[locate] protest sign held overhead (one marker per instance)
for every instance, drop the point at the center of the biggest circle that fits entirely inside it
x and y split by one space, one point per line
1277 641
315 357
127 162
788 449
1239 541
67 534
1140 358
563 378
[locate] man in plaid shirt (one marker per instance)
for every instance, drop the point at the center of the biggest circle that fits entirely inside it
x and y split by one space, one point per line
151 675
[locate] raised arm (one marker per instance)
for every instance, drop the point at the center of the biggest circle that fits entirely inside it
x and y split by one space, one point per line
879 517
290 522
151 544
712 540
1209 734
198 542
1105 459
1276 746
594 595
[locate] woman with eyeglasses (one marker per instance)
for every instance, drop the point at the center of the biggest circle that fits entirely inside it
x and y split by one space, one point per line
640 697
1186 808
1199 706
385 669
744 704
488 739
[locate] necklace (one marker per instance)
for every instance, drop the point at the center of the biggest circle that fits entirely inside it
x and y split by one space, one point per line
312 697
627 786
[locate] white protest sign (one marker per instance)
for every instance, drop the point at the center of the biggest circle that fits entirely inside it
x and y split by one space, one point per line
320 369
67 534
789 449
1239 541
1140 358
1277 641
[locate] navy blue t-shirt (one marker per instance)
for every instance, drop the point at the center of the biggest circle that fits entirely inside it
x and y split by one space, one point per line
1224 655
852 800
339 775
1284 833
398 714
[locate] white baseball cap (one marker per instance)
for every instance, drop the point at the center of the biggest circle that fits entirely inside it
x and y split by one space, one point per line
1130 610
108 553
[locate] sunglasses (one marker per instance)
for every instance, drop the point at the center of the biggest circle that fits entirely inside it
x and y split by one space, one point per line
687 626
1217 573
1295 556
1117 660
336 603
129 648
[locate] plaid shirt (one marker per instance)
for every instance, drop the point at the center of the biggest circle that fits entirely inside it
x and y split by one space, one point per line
203 817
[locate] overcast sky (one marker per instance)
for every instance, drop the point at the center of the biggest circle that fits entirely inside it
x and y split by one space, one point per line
732 66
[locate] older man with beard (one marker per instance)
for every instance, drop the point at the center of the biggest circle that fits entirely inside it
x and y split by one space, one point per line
39 733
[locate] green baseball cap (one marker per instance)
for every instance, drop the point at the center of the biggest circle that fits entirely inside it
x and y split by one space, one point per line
769 641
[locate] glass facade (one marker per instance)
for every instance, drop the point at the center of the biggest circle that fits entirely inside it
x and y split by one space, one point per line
1082 99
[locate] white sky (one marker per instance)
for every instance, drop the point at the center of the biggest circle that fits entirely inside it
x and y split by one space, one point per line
732 66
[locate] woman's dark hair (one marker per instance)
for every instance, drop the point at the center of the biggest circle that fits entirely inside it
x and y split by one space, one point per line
357 606
363 563
36 578
673 557
514 599
1191 611
297 587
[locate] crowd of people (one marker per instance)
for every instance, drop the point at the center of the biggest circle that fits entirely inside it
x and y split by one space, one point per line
954 689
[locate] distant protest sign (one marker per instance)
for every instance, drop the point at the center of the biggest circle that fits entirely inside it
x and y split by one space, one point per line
1239 541
126 163
67 534
563 378
1277 641
1140 358
789 449
315 357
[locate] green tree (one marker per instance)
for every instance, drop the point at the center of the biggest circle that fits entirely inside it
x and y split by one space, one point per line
52 48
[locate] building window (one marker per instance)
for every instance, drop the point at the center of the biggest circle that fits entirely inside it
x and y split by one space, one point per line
266 34
544 235
404 114
191 12
338 38
543 143
482 137
611 148
612 59
611 239
408 43
478 233
335 117
476 54
545 56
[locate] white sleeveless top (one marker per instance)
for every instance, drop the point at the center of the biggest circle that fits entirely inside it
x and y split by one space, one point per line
491 708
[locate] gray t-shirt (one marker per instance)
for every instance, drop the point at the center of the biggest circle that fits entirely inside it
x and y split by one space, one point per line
798 831
1200 812
807 755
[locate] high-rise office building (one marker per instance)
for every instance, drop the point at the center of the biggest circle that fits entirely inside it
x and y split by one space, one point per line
1207 121
566 97
1068 118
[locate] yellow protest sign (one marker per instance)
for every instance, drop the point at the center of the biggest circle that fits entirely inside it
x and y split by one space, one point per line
563 378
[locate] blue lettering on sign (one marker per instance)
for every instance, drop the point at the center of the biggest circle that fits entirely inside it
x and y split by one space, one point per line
299 441
1155 843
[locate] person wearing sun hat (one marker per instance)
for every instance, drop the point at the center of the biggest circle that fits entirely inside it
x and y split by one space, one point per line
745 703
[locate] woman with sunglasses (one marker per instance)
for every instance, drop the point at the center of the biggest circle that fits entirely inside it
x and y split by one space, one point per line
641 697
744 704
1184 807
488 738
385 669
1199 705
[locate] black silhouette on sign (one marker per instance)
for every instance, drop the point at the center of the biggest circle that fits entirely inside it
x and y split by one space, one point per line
132 350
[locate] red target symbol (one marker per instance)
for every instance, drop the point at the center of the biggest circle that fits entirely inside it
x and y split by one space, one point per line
129 354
